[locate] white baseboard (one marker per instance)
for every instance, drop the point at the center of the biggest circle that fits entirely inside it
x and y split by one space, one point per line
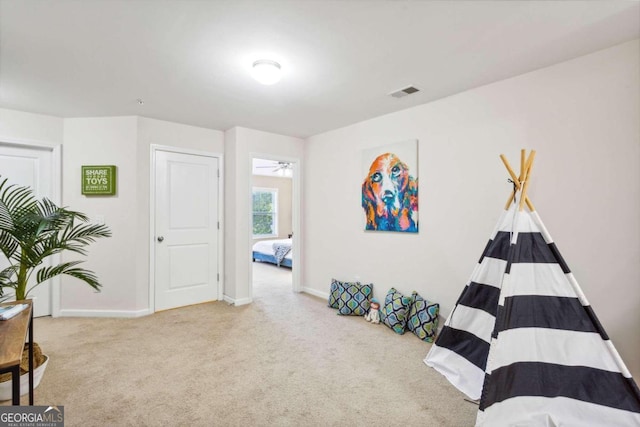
239 301
315 292
104 313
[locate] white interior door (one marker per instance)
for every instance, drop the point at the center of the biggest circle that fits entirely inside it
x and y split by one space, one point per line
186 229
33 167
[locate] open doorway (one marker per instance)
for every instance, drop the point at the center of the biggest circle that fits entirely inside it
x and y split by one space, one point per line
273 215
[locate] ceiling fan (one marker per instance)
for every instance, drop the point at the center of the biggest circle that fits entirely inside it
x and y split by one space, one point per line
277 167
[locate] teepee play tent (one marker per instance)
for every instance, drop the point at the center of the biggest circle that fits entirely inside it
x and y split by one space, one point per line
522 338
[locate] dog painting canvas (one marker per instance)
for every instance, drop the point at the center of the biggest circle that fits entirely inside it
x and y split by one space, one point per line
390 187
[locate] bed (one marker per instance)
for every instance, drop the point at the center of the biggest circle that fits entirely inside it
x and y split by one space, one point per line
273 251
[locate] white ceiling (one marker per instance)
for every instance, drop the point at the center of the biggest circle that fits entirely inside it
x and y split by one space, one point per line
190 60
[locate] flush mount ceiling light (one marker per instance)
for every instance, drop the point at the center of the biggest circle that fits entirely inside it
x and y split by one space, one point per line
267 71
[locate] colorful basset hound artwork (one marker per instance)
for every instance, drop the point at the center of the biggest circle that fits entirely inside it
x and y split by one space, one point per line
390 196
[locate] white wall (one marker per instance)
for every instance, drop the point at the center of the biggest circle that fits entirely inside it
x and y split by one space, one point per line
235 146
241 145
122 261
103 141
30 127
582 116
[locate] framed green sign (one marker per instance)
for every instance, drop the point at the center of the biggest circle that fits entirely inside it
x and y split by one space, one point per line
99 180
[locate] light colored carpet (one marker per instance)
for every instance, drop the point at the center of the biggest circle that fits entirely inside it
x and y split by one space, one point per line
285 360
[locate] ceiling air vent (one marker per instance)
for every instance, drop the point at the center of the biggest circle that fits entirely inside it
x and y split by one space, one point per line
404 91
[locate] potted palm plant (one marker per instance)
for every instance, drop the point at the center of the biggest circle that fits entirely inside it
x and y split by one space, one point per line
31 231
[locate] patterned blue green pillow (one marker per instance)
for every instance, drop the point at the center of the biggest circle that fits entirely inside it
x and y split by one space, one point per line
334 292
423 318
395 311
355 299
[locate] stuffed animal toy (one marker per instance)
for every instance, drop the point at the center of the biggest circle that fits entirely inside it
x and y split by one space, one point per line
373 315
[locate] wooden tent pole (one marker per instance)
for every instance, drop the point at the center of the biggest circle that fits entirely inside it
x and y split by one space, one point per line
527 200
517 180
527 178
514 178
511 172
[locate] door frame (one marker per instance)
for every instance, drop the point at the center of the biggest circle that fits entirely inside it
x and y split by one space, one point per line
152 215
296 205
56 197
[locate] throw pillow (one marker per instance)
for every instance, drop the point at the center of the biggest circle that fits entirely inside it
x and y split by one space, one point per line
355 299
423 318
334 292
395 311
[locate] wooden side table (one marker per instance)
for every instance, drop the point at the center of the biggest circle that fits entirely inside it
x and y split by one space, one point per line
13 334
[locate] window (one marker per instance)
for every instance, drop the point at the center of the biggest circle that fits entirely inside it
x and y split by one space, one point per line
265 212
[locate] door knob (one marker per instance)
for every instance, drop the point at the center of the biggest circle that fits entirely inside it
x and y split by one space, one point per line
160 239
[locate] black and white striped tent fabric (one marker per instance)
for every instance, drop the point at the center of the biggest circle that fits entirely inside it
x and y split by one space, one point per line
523 339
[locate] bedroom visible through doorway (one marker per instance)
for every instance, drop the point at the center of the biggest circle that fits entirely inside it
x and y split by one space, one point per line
272 211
